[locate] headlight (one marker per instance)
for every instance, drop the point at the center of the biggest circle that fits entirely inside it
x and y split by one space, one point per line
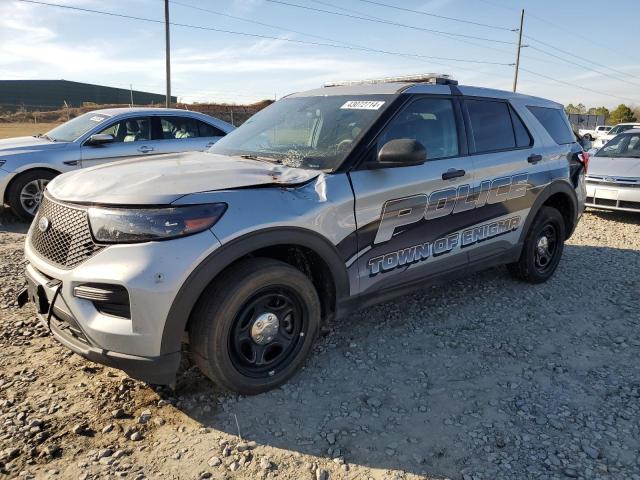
128 225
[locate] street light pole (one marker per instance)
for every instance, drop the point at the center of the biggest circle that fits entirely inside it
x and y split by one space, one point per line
167 52
515 78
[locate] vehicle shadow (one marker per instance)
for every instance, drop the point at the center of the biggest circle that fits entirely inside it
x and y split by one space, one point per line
10 223
434 382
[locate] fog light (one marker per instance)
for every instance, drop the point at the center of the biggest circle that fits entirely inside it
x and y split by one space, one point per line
108 299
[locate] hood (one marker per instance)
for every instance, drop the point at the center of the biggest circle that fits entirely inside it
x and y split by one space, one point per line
163 179
614 166
12 146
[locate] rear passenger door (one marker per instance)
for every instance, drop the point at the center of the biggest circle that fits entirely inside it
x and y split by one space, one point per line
184 134
507 167
403 214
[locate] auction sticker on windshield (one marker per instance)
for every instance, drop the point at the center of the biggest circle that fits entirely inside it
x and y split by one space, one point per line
362 105
97 118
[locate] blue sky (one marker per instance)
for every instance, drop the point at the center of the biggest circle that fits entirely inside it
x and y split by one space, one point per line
39 42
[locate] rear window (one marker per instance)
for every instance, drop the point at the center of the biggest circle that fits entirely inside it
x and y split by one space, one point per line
555 123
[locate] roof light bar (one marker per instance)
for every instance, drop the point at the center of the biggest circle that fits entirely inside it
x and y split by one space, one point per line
432 78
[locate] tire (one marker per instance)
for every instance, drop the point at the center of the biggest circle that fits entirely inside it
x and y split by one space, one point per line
540 258
225 329
32 183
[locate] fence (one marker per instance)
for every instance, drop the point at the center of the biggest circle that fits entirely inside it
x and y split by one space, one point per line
585 120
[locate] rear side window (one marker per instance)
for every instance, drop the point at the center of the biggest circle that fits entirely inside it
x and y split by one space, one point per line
491 125
207 130
555 123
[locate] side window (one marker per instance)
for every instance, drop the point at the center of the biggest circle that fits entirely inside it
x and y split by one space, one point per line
523 138
178 127
130 130
491 125
206 130
431 121
555 123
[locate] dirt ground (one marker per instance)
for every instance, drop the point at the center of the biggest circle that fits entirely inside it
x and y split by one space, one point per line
9 130
482 378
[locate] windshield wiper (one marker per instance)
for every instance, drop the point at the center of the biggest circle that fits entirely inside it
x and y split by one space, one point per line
256 157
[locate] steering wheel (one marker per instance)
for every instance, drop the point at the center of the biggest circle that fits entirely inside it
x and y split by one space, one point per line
343 145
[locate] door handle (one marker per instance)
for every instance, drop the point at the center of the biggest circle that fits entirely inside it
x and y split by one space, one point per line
534 158
145 149
453 173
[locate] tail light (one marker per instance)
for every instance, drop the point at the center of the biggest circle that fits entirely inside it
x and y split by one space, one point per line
584 158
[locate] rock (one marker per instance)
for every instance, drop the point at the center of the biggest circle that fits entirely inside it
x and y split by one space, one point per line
570 472
322 474
374 402
331 438
265 463
591 451
144 417
107 428
136 437
80 429
234 466
118 413
214 462
107 452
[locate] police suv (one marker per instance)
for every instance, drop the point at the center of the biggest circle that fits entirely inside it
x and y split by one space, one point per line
322 203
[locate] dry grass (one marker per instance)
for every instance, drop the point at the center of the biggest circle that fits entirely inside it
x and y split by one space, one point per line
8 130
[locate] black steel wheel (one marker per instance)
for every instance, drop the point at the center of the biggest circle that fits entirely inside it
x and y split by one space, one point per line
254 326
268 331
542 249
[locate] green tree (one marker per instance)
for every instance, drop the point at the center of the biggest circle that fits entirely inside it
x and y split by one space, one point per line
599 111
622 114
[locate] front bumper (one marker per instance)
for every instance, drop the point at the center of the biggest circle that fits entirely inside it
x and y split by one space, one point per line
152 274
613 196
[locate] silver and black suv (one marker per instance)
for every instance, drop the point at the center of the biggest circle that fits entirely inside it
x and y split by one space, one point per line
322 203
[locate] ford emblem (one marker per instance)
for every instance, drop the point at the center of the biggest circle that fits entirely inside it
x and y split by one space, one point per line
44 224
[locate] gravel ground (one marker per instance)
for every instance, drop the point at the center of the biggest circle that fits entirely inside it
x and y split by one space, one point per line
483 378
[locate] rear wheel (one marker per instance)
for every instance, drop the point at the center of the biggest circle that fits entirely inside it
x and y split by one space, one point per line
543 247
24 195
254 326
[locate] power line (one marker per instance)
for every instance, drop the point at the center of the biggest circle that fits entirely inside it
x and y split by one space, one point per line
578 57
583 66
577 86
453 19
255 35
389 22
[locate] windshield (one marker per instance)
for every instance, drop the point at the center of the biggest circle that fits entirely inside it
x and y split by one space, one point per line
620 128
75 128
307 132
624 145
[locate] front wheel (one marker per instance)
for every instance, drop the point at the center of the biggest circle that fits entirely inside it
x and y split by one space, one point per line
24 195
542 249
254 326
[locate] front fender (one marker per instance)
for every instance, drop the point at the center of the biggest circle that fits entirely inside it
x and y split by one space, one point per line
224 256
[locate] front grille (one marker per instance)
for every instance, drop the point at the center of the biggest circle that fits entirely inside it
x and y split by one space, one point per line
67 242
626 182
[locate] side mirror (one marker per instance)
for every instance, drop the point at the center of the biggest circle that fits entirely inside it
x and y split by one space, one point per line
100 139
401 152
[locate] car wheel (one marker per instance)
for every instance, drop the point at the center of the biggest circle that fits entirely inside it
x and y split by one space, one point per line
542 249
24 195
254 326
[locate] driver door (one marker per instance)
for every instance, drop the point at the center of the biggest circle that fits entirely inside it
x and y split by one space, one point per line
132 138
399 239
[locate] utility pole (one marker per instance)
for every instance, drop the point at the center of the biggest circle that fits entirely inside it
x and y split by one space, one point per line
168 52
131 92
515 78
